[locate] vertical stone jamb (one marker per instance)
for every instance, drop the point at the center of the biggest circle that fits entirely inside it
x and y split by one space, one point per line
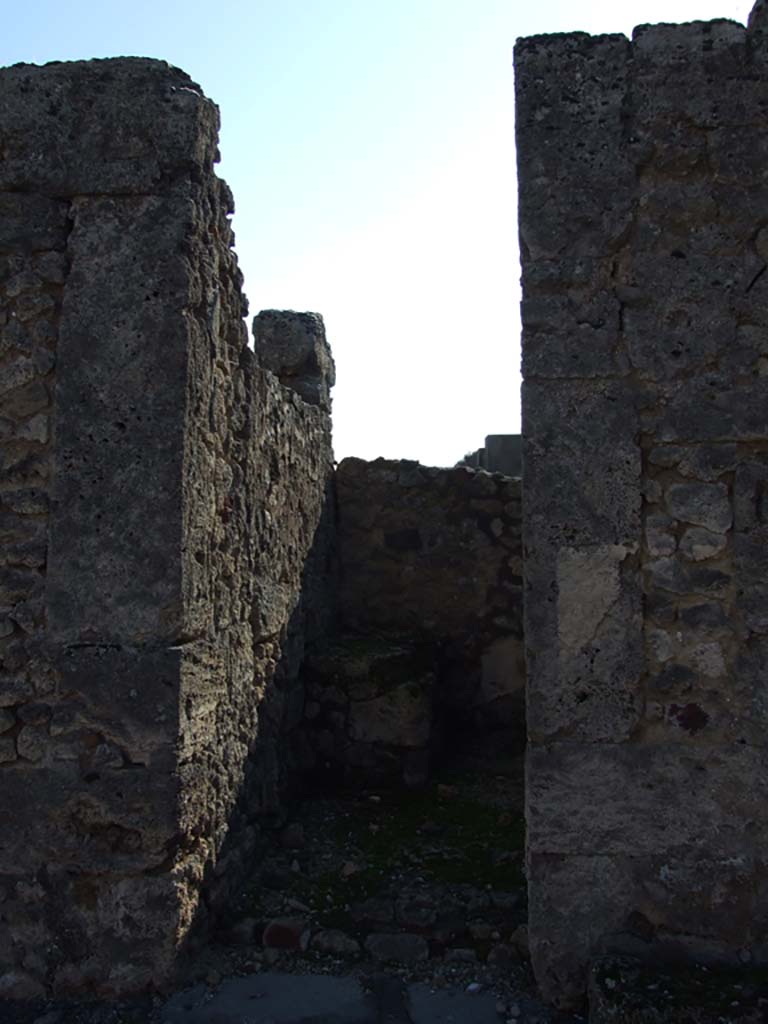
162 505
642 202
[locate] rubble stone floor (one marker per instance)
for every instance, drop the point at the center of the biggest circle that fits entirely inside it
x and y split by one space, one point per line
374 904
385 905
416 897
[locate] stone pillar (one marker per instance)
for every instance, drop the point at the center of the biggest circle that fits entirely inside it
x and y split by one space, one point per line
643 204
135 509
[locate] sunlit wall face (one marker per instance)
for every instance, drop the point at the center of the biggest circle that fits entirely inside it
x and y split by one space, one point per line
370 148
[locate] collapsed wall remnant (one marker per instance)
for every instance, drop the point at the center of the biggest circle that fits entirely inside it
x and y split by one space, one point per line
430 618
643 231
164 522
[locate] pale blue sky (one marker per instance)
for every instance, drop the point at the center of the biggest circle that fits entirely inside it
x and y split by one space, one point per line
369 145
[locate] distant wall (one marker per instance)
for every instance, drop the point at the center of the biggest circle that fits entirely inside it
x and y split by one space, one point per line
435 555
643 225
164 529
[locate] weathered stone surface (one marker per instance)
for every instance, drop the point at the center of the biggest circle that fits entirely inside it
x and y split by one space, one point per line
644 422
575 139
293 347
429 559
31 223
417 549
152 473
699 544
373 705
682 796
703 504
167 128
109 577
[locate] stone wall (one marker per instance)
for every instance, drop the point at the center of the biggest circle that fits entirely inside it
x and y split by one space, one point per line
643 224
430 582
502 453
165 530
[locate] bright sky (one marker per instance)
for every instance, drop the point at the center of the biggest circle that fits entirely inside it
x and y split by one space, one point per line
370 148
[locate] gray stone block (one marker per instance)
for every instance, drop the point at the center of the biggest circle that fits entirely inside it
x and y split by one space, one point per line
141 127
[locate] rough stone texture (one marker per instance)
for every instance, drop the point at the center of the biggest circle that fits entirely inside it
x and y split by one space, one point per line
431 558
643 226
293 346
502 453
163 515
372 708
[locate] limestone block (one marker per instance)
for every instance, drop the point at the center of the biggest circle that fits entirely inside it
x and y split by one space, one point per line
676 75
659 537
31 222
572 902
582 466
140 127
687 325
714 409
699 544
683 799
119 440
704 462
561 139
581 512
401 716
293 346
571 319
705 505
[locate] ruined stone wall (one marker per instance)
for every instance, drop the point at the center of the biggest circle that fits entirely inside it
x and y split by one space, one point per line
643 216
434 555
164 516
